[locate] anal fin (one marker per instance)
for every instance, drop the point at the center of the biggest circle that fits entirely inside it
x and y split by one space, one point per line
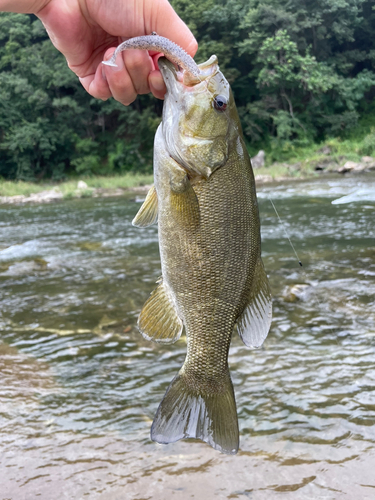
158 320
254 323
148 213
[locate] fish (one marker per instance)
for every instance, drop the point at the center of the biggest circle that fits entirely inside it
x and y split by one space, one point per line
213 278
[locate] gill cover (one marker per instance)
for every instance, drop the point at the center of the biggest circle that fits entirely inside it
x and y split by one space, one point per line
195 131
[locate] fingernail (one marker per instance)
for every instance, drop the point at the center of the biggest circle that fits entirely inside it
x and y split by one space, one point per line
119 64
103 74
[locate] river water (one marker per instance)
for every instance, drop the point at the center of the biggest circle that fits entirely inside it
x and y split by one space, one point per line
79 385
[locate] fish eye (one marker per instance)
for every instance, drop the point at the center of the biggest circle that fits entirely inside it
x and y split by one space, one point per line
220 103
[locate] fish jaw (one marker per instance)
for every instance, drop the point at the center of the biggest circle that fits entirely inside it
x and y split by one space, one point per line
196 135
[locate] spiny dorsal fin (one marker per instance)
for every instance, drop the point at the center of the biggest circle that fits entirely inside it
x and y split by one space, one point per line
158 320
148 213
255 321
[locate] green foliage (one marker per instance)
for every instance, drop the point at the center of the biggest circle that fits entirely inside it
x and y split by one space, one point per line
368 145
49 126
301 72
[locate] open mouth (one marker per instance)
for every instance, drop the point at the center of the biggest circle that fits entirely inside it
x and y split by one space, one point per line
170 71
167 66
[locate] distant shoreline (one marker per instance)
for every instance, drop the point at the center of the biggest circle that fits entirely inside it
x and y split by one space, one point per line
19 193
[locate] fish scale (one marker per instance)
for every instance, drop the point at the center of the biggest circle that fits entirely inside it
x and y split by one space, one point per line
209 238
223 284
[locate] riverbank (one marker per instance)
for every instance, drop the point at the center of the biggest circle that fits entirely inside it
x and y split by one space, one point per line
92 187
324 163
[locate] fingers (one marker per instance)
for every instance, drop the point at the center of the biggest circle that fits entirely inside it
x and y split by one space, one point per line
97 84
155 80
166 23
130 77
138 64
157 85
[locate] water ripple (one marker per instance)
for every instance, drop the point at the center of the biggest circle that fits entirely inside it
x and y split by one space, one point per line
80 386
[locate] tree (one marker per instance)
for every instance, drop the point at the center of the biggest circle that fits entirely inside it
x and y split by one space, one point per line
300 71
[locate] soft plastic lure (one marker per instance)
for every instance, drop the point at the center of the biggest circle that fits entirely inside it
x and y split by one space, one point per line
172 51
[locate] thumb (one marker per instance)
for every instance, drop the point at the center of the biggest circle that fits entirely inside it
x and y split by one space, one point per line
160 17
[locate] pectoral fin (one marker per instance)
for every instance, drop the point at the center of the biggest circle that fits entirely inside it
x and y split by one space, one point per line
148 213
184 201
158 320
254 323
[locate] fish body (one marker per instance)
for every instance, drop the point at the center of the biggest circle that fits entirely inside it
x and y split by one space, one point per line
209 236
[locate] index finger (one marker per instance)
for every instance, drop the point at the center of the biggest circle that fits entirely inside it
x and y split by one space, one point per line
168 24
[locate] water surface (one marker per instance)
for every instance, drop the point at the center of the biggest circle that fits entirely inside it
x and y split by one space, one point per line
79 385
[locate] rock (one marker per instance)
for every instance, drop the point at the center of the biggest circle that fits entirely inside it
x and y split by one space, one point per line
91 246
321 164
320 167
45 196
41 197
369 162
296 292
325 150
260 179
25 267
331 167
367 159
351 166
82 185
258 160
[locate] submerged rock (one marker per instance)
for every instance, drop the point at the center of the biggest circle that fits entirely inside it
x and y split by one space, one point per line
91 246
25 267
296 292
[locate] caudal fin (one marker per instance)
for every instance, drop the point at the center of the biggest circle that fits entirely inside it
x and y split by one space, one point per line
184 413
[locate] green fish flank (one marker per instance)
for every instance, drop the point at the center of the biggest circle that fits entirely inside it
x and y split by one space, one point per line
213 277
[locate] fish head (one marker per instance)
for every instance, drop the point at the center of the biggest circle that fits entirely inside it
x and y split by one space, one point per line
197 117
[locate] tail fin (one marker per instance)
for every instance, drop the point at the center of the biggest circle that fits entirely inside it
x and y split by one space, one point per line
184 413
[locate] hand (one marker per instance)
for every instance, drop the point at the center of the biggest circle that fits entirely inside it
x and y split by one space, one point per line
88 31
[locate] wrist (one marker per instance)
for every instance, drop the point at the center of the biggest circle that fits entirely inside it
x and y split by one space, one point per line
23 6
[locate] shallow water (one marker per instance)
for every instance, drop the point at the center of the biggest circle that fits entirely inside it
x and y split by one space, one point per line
79 385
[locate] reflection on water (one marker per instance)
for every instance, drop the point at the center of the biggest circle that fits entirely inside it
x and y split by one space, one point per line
79 385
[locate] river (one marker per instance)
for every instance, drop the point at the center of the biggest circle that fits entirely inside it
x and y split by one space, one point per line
80 386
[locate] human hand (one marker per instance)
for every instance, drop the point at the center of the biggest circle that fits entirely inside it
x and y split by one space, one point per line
88 31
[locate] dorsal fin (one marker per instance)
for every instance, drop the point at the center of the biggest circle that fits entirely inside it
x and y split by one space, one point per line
148 213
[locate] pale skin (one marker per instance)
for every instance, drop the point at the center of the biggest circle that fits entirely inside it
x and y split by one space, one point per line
88 31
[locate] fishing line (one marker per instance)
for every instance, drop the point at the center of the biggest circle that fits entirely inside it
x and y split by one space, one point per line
286 232
315 293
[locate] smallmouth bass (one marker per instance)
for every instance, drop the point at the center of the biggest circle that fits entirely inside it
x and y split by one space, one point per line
209 236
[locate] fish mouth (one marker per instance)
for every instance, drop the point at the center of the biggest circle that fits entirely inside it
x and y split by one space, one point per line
170 74
173 77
